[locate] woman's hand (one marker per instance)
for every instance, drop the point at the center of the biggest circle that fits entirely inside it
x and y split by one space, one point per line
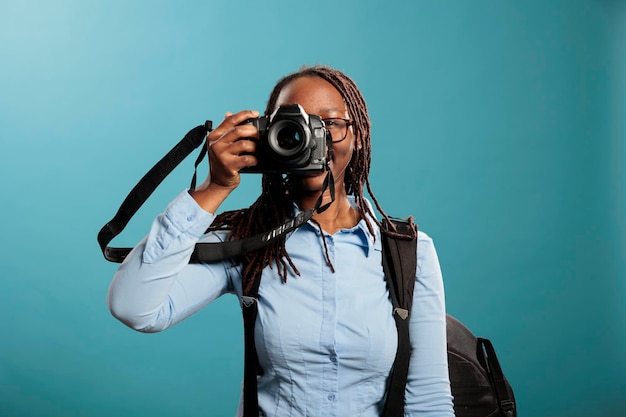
227 155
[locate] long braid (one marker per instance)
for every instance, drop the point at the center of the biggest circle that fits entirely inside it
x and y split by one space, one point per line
274 206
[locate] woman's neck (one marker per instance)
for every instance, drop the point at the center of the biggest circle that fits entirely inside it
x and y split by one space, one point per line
339 215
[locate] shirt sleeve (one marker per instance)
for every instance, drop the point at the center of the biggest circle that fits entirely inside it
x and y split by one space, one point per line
428 385
156 287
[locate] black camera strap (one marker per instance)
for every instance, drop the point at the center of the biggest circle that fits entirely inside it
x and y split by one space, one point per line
145 187
203 252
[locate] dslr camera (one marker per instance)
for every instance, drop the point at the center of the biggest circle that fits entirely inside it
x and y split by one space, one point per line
291 142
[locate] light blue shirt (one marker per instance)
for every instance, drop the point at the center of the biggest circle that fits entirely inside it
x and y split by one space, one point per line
326 341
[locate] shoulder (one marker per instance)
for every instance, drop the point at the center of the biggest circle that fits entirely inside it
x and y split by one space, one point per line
424 241
427 259
216 236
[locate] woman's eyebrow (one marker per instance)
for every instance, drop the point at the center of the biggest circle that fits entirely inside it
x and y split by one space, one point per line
333 110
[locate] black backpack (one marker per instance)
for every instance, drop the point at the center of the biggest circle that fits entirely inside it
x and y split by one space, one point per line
478 385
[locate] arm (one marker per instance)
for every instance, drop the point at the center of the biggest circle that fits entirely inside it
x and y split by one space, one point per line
155 287
428 385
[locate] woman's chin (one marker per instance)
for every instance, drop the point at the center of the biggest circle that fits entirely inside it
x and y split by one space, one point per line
309 183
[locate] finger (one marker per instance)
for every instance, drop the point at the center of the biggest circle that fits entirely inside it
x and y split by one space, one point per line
233 156
242 147
240 117
230 122
235 134
244 161
231 163
212 142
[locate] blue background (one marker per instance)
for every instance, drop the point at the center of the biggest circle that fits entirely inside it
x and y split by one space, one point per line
500 125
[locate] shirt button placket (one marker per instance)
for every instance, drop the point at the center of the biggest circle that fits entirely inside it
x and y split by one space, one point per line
330 384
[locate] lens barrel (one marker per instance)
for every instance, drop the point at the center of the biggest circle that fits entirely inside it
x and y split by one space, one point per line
288 138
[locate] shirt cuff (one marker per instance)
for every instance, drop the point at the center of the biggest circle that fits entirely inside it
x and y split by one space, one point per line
182 224
186 215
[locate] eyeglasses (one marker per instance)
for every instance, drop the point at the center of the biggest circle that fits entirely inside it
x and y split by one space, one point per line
338 128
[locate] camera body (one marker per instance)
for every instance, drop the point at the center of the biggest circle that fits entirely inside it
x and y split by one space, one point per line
291 142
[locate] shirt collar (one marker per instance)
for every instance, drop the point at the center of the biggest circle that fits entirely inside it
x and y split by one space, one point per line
368 241
363 236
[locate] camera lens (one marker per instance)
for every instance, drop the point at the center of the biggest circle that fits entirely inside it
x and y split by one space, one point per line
287 138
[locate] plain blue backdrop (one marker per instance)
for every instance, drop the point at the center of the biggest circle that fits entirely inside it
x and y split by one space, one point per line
500 125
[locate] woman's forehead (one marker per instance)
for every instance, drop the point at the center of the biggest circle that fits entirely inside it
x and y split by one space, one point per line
314 94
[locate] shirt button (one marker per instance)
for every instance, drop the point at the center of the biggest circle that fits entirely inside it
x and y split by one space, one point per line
191 218
333 358
331 397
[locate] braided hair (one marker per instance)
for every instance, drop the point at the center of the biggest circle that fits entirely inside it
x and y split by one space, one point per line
275 204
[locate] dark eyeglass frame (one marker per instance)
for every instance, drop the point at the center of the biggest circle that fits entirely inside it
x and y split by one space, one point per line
333 120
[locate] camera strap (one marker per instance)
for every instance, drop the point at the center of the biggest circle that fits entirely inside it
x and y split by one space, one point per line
145 187
204 251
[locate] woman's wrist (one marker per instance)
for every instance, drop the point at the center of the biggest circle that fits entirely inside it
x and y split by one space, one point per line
210 196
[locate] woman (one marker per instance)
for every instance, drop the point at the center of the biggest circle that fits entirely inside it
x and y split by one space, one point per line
325 335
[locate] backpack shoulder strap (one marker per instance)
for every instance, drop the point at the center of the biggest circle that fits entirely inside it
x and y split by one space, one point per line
251 369
399 242
400 262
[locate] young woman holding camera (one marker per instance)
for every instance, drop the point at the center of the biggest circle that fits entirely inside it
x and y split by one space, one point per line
325 336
